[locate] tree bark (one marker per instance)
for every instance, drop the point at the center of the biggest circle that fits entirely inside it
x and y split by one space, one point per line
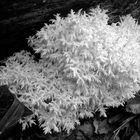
19 19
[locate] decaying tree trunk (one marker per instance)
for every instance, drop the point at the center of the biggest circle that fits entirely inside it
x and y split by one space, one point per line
21 18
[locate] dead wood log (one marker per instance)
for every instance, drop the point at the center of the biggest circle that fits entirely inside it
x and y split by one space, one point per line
20 19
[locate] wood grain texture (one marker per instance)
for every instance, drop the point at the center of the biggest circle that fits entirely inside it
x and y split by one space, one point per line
20 19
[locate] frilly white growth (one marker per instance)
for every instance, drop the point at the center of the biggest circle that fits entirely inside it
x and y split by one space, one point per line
86 66
103 59
47 94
